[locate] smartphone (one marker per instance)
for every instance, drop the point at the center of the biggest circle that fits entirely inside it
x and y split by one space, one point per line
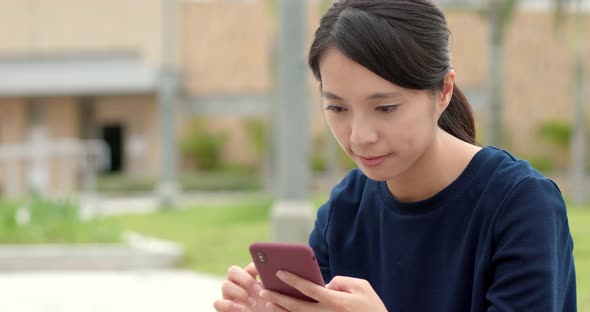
298 259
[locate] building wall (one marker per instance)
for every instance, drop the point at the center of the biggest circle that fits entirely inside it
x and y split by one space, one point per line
13 123
61 119
73 26
538 67
13 127
139 117
226 47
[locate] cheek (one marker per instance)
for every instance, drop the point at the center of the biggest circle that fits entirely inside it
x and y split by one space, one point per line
339 129
417 128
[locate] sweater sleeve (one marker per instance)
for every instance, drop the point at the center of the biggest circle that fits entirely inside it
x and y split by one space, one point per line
319 238
532 261
318 242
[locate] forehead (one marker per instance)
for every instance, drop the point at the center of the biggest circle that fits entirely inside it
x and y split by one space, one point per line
342 75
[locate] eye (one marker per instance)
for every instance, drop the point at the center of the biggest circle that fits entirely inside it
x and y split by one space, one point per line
335 108
386 108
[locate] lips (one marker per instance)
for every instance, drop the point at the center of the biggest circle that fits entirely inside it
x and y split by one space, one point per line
372 161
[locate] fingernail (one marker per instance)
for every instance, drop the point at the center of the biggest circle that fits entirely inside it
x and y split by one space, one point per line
238 307
255 289
281 274
251 302
270 307
263 294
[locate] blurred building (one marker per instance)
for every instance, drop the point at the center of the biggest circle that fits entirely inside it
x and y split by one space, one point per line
89 70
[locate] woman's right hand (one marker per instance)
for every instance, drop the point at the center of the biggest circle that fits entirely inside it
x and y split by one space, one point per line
240 291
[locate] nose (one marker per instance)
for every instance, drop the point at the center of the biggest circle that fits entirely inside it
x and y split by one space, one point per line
362 132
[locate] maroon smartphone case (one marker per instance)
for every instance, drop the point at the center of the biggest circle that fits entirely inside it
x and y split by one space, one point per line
294 258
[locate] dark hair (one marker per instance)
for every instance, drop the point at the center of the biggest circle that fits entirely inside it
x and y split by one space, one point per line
403 41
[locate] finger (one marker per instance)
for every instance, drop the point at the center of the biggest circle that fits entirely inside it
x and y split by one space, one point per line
286 302
251 269
274 308
231 291
244 280
310 289
228 306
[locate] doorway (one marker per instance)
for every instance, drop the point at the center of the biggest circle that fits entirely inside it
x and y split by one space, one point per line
114 135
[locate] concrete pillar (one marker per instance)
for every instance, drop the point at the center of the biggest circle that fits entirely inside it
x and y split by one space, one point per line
293 214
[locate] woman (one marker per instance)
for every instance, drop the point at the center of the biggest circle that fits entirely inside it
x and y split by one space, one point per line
430 221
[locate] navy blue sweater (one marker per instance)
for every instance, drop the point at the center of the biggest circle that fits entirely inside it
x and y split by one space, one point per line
496 239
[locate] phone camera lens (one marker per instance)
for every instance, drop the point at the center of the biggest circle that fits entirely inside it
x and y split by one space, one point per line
261 257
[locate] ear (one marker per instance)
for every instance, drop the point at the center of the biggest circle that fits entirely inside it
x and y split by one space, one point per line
447 91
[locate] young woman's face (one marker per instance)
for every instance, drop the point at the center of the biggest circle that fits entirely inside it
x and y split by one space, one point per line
384 128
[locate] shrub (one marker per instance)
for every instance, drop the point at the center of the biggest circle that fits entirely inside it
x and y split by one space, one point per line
556 132
256 130
542 163
202 146
52 221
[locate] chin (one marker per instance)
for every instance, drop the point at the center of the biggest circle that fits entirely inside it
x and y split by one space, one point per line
377 174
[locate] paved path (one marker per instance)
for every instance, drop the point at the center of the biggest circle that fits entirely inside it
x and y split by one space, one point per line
128 291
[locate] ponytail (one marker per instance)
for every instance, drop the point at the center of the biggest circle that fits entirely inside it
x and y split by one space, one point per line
458 119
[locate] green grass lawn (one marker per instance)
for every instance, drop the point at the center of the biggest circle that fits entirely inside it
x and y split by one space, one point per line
213 238
216 238
52 221
579 220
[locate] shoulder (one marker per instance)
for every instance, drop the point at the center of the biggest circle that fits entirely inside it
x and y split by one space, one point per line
348 194
502 181
505 173
533 198
519 192
507 165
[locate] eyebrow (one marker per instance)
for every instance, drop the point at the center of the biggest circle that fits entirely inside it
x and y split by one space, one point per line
374 96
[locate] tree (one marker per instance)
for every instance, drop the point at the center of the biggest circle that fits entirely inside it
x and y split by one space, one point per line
563 10
499 14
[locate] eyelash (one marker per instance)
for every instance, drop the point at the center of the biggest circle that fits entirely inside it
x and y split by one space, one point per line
384 108
336 109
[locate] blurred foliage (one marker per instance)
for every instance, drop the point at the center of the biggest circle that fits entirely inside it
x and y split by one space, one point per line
556 132
318 162
52 221
559 134
228 180
234 178
542 163
203 147
256 130
325 5
119 183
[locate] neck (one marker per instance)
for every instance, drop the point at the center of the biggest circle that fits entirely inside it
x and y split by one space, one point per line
440 164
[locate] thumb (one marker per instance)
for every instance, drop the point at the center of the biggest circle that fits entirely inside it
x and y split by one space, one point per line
345 284
340 283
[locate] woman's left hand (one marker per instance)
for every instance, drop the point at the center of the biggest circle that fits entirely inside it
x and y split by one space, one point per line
341 294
